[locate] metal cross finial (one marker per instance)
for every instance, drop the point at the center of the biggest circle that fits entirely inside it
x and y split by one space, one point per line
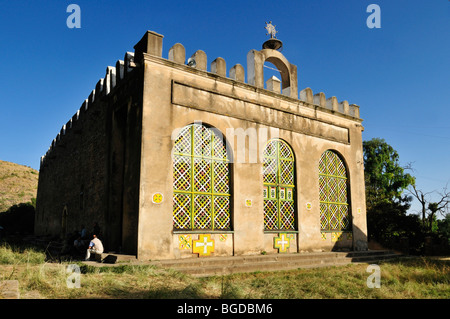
271 29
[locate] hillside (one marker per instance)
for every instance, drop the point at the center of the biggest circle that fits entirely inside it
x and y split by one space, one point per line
18 184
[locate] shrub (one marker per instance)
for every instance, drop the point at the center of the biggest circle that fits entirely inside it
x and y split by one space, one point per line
18 219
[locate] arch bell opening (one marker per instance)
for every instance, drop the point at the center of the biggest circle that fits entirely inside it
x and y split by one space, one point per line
288 71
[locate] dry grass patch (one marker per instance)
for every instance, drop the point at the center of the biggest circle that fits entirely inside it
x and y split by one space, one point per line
18 184
409 278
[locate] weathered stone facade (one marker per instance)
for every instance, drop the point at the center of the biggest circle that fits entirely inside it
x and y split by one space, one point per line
113 162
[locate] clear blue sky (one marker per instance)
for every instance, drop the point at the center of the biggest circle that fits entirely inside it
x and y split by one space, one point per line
398 74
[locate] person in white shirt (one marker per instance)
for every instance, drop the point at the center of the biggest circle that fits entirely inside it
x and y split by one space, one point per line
95 247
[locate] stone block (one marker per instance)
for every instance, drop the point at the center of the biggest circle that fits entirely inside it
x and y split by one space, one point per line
98 257
120 66
320 99
110 259
219 67
177 53
109 80
237 73
151 43
200 59
92 96
9 289
255 74
129 61
332 103
274 84
111 70
354 110
307 95
361 245
343 107
85 105
99 86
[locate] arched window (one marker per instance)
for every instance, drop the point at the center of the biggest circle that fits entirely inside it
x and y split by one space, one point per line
201 180
333 184
278 186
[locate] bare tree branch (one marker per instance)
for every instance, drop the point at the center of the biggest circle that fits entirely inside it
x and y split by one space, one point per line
429 211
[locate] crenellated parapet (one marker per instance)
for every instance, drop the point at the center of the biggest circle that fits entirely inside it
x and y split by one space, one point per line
151 44
114 75
286 86
332 104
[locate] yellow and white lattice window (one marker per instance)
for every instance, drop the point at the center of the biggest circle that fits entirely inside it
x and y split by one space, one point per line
278 186
201 180
333 197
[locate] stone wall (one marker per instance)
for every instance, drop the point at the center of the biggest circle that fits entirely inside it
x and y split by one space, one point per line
177 94
81 178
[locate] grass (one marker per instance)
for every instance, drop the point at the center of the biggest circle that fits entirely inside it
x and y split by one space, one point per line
410 278
19 254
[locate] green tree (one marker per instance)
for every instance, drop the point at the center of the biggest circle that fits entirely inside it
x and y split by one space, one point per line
385 178
387 223
444 228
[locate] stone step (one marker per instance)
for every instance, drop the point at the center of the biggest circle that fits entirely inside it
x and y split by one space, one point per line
110 258
232 260
229 261
9 289
209 266
262 266
119 257
239 264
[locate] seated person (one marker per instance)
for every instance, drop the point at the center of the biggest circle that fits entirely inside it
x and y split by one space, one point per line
95 247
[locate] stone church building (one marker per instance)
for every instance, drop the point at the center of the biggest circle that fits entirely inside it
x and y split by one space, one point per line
176 158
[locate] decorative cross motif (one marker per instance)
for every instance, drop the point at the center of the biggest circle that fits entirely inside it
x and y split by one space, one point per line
184 241
271 30
336 236
281 242
157 198
204 246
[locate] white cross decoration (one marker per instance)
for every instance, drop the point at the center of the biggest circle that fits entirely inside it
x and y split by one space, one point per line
281 243
204 246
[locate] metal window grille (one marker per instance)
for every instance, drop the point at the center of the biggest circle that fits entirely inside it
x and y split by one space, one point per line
333 189
201 180
278 186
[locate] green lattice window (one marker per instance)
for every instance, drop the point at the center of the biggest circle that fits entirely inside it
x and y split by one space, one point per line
278 186
333 188
201 179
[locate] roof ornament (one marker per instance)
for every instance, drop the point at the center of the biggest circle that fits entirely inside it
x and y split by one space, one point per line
273 43
271 30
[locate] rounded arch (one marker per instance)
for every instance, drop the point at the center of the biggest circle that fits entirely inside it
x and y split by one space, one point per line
288 71
64 217
281 63
201 179
340 156
217 132
334 192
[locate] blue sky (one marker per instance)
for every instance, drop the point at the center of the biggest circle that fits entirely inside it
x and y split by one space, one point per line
398 74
